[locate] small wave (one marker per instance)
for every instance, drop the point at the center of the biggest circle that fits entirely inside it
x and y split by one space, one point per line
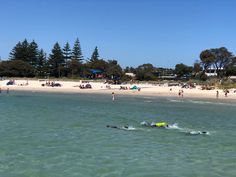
147 101
174 126
177 101
209 102
129 128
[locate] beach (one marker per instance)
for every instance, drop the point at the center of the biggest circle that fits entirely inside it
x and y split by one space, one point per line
143 89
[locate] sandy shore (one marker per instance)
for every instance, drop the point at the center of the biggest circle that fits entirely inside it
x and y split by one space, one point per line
146 89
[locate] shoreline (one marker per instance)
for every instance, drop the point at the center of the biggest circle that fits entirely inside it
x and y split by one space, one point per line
101 88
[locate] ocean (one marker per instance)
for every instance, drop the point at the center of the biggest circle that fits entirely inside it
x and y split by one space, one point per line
66 135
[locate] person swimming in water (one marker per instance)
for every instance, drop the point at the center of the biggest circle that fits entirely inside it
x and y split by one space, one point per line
153 124
122 128
197 133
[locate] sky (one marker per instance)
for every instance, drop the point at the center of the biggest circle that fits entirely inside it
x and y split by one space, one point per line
133 32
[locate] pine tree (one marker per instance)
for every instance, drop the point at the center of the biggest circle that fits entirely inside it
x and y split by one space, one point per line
67 53
95 55
20 51
25 51
15 53
56 61
33 53
41 65
76 52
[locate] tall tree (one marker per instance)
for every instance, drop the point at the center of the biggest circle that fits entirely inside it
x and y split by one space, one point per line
41 64
56 61
223 59
219 58
67 57
207 58
67 52
20 51
25 51
95 55
33 53
76 51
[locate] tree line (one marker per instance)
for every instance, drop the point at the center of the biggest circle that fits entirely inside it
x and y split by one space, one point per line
26 59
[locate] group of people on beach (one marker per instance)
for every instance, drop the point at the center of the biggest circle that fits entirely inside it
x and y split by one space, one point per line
226 91
181 93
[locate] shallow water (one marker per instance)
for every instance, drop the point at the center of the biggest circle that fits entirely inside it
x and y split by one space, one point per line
65 135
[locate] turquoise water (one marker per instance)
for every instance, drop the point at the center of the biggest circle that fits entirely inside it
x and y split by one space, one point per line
65 135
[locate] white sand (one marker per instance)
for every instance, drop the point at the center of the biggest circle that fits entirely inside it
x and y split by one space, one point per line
146 89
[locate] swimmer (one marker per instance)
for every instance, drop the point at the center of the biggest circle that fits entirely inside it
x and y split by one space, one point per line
197 133
112 126
144 123
126 127
153 124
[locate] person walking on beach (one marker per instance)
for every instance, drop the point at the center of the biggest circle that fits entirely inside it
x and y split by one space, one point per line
113 96
217 94
226 92
179 93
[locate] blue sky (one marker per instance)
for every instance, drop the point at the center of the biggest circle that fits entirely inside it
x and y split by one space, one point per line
134 32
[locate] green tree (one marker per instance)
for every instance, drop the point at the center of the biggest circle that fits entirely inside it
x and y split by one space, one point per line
67 57
230 70
197 67
25 51
77 52
182 70
95 55
67 53
74 67
32 53
96 63
56 61
113 71
146 72
42 64
207 59
223 59
219 58
21 51
16 68
129 70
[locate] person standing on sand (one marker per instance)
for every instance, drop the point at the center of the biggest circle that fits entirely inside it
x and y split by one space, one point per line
113 96
217 94
179 93
226 92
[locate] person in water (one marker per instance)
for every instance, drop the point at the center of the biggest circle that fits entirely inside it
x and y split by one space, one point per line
197 133
158 124
113 126
113 96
